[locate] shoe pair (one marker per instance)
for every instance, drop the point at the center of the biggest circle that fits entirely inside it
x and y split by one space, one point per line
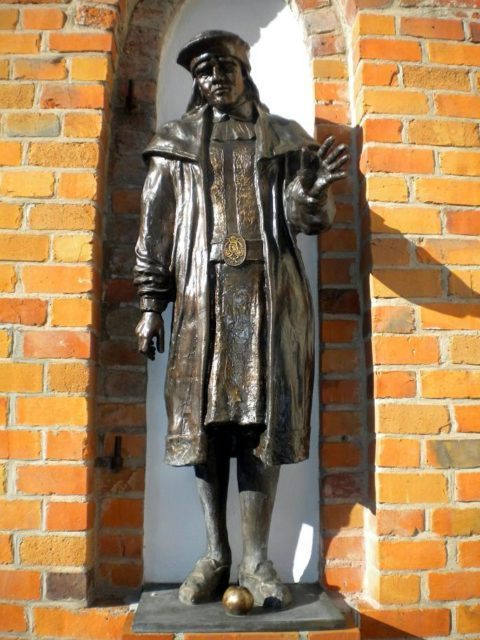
210 578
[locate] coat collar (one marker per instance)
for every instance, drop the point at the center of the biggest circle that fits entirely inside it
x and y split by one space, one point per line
182 139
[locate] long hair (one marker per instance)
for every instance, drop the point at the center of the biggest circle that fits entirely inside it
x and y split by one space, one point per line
251 92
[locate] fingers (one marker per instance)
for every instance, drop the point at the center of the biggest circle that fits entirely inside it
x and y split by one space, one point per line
332 166
322 152
160 342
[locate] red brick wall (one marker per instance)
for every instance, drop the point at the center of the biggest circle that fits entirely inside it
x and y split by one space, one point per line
399 281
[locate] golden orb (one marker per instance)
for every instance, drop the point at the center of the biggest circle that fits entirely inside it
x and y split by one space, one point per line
237 601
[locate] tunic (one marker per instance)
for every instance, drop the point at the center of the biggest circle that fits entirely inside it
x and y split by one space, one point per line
236 386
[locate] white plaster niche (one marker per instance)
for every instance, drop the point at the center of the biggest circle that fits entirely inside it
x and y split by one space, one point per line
174 529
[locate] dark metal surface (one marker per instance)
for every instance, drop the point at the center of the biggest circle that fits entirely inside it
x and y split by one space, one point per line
159 610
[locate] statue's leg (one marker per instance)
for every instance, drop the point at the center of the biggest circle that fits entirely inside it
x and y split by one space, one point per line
209 578
257 486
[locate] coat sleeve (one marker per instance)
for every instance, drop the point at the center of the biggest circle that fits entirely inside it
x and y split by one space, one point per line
153 275
306 214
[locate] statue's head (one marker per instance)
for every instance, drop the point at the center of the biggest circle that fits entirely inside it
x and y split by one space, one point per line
219 64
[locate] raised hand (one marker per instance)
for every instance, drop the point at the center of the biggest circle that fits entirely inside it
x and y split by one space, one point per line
319 172
150 331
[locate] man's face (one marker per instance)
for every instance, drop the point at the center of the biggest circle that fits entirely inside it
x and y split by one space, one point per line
221 81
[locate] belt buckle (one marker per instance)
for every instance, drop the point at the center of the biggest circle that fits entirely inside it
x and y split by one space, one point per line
234 250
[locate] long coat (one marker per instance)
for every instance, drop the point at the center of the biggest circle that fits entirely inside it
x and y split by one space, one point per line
172 265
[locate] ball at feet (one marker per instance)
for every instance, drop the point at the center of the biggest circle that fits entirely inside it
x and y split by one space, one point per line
237 601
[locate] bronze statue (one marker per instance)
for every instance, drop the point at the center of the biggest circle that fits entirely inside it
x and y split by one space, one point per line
229 187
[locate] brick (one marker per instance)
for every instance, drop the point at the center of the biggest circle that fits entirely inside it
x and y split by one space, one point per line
90 68
343 548
83 125
73 248
28 311
429 77
413 555
121 546
453 454
83 624
4 69
456 522
382 130
10 154
26 184
443 133
394 101
451 384
69 516
405 350
469 553
330 69
398 452
31 125
78 186
16 246
64 154
72 96
458 105
448 190
395 319
5 348
332 271
394 384
70 312
20 444
56 279
339 516
58 344
397 160
6 553
52 411
339 360
20 585
344 579
407 522
65 585
338 331
80 42
401 622
336 423
406 283
468 418
432 28
340 454
412 488
20 514
398 589
463 222
336 112
413 419
10 215
468 485
53 550
375 24
19 43
68 445
74 377
460 163
334 91
338 240
387 189
468 618
12 618
465 349
41 69
53 479
454 585
340 391
63 216
453 53
91 16
8 18
376 74
20 377
451 316
39 18
464 283
122 513
405 219
395 49
449 252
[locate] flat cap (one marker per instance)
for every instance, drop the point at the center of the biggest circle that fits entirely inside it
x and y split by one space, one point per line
216 43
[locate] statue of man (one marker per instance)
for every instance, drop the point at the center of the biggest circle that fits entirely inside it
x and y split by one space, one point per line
229 188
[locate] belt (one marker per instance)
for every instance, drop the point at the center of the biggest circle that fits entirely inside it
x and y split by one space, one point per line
235 250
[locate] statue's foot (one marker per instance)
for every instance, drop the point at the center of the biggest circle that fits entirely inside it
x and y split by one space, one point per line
205 583
265 586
